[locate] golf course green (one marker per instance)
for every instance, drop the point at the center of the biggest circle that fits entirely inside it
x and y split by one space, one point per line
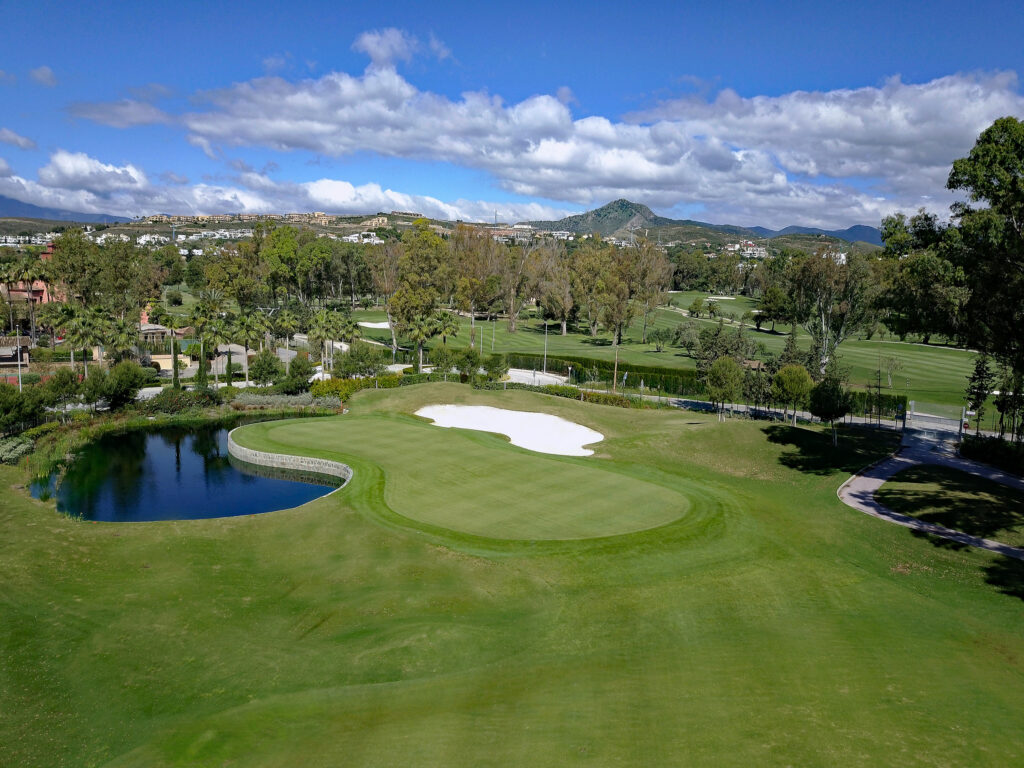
694 593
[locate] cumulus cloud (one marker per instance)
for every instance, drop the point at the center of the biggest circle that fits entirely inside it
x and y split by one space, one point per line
7 136
79 182
77 170
44 76
824 158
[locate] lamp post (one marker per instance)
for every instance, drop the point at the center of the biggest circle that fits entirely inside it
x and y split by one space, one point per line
569 378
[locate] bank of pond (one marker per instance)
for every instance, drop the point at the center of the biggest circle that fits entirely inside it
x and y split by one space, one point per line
172 473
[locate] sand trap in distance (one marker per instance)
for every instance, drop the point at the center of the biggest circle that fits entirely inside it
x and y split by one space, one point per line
374 325
539 432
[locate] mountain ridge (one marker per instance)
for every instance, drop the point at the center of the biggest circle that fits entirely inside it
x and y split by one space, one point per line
621 215
11 208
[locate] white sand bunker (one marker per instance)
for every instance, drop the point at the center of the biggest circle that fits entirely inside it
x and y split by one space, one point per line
374 325
539 432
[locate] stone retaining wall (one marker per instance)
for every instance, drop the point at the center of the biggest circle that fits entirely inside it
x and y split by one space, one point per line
284 461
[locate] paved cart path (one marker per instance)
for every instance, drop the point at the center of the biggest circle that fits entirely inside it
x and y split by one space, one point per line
924 447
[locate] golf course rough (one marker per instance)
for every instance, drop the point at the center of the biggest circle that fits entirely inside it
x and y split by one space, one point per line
476 483
770 625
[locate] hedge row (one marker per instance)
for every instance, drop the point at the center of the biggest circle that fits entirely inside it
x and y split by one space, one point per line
995 451
343 389
675 381
571 393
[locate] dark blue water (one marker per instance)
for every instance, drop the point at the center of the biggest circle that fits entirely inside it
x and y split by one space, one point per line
173 473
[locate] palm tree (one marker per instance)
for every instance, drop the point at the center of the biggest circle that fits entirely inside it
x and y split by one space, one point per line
173 322
248 330
122 336
28 271
287 323
76 334
217 332
420 329
349 328
320 332
199 318
266 326
8 274
447 325
213 299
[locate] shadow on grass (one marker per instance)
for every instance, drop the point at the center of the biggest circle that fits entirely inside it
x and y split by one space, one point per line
1007 575
812 451
959 501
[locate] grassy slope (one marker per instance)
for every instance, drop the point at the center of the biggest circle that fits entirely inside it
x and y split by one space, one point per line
793 630
958 500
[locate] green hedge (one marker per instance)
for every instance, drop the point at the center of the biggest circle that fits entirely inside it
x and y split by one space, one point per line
890 406
571 393
674 381
995 451
343 389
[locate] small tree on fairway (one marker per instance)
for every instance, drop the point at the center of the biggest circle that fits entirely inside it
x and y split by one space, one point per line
792 385
697 307
829 401
979 387
724 382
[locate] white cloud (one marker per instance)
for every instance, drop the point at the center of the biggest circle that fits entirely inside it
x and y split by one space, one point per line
386 46
7 136
6 78
827 158
44 76
79 182
79 171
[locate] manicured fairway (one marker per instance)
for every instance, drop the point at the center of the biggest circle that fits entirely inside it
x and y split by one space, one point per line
768 625
479 484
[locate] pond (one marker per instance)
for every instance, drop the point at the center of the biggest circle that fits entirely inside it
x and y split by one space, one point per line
173 473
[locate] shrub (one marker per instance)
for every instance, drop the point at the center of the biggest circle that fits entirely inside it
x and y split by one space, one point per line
174 298
43 429
178 400
306 399
13 449
227 394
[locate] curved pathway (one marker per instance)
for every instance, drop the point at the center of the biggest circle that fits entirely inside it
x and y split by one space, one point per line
923 448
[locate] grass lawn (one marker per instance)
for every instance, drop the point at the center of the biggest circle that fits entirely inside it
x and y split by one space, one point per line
957 500
934 376
382 625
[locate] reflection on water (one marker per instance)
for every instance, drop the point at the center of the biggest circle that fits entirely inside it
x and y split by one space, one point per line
173 473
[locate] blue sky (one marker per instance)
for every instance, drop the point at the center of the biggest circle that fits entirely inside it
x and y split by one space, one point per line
745 113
